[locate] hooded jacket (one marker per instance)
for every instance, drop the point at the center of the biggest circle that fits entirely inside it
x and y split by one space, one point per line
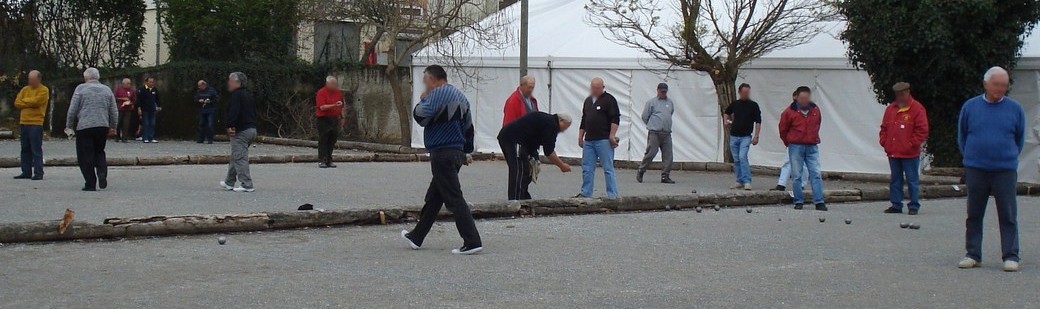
903 130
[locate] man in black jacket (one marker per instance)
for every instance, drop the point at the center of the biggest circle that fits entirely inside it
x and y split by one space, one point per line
148 108
206 97
520 140
241 128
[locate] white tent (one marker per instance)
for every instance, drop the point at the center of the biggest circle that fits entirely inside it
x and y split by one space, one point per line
565 53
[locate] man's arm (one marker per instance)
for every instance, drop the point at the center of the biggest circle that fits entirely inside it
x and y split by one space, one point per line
1020 130
783 127
758 124
921 128
962 128
113 114
234 108
647 111
511 110
32 101
74 106
158 107
426 109
615 121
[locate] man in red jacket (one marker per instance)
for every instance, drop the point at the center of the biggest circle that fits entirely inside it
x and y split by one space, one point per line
800 131
903 129
329 111
520 102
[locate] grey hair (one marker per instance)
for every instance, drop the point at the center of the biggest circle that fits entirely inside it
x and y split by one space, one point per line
565 118
331 78
527 80
92 74
993 72
126 80
239 77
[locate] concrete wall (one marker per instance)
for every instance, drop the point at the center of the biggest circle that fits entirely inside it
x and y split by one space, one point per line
373 104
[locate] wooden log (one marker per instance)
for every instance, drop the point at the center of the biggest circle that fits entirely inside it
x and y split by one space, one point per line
210 159
121 161
48 231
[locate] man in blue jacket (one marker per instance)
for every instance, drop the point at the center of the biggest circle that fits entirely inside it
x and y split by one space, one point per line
147 108
445 114
206 97
990 134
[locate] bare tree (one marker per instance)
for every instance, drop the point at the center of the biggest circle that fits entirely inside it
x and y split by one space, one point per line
90 33
413 24
712 36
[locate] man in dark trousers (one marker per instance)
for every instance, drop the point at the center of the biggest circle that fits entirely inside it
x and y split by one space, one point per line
241 129
520 140
94 116
206 97
991 134
597 136
329 113
148 108
445 113
904 128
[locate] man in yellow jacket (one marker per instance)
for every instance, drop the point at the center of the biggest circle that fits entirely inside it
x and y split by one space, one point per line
32 101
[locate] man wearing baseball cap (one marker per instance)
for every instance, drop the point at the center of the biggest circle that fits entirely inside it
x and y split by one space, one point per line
657 115
903 129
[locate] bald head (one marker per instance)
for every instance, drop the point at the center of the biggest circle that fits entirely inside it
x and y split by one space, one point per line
596 88
35 78
996 81
527 85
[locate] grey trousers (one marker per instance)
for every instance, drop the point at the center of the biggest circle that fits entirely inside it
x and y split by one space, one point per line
238 168
655 141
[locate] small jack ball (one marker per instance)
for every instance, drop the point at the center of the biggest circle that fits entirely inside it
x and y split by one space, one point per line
904 225
823 219
848 221
749 210
221 240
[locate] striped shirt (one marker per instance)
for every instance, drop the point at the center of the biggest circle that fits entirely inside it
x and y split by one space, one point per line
446 116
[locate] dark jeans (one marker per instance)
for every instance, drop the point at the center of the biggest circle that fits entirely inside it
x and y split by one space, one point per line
90 152
125 122
911 169
1002 186
148 125
32 150
519 172
206 118
328 131
446 191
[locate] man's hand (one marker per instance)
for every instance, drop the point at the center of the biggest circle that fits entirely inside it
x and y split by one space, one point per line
614 142
139 114
339 104
566 168
469 159
581 142
202 101
754 140
111 132
342 122
230 132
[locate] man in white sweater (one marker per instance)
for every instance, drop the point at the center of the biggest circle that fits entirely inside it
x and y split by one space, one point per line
94 116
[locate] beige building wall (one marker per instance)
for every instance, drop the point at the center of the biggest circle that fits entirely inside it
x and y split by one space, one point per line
153 49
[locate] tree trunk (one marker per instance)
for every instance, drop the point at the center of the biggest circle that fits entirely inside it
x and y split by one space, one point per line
400 104
726 91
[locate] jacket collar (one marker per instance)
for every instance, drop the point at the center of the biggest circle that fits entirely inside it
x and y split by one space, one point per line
794 105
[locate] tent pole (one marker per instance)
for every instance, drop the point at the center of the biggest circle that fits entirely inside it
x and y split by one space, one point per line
523 37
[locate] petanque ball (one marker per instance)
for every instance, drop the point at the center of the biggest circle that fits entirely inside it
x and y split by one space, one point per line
915 226
904 225
221 240
749 210
822 219
717 207
848 221
699 209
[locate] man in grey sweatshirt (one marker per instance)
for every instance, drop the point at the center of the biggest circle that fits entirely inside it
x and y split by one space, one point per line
657 115
94 116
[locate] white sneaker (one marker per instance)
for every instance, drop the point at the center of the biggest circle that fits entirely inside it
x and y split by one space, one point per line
467 251
968 262
226 186
137 139
404 234
747 187
243 189
737 186
154 141
1010 266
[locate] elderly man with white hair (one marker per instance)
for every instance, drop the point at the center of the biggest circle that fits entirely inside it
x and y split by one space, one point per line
991 134
241 130
520 140
329 111
94 116
521 102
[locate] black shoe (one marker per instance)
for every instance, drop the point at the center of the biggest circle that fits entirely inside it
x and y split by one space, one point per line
323 165
209 142
37 177
198 142
331 165
893 210
579 195
103 184
467 250
821 207
88 189
667 180
912 212
798 206
639 177
779 188
22 176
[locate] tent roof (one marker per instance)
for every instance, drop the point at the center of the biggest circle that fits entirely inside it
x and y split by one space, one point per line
559 33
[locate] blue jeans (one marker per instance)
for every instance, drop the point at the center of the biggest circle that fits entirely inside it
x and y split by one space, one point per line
148 125
206 118
911 168
601 150
806 157
739 146
32 150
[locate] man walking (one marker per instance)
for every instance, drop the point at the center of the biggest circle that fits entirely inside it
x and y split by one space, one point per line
521 102
126 97
92 112
32 100
991 134
597 136
206 97
742 116
904 129
329 111
445 113
520 140
800 131
241 129
147 108
657 115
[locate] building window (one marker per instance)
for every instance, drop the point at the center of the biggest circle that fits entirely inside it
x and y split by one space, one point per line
336 41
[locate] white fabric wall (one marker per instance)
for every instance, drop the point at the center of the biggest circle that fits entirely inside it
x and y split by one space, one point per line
851 115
